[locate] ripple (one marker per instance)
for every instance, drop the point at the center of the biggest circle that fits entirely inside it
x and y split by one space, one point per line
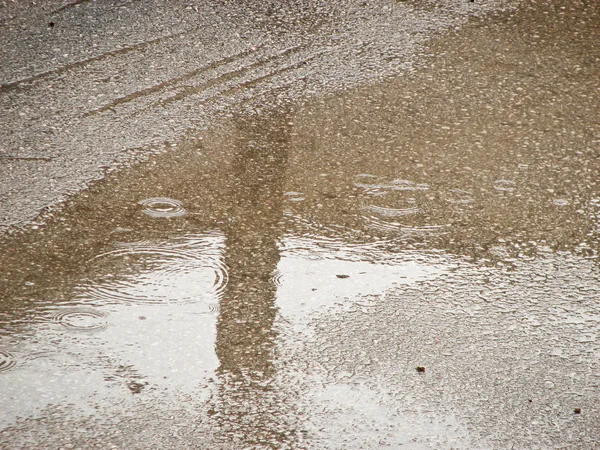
426 230
396 228
504 185
213 308
391 212
406 185
187 270
80 319
459 196
205 308
7 361
276 279
370 185
375 223
162 207
295 196
394 185
318 247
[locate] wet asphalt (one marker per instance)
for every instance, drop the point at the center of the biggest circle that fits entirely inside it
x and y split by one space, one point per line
91 87
300 225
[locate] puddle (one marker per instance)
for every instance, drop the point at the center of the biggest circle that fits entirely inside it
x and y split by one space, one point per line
186 269
7 361
162 207
318 274
284 275
80 319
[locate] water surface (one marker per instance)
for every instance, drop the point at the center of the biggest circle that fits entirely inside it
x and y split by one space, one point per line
275 281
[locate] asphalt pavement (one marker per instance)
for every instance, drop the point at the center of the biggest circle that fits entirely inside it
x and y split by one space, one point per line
300 225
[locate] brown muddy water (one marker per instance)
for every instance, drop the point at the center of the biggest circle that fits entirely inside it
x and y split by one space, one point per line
276 280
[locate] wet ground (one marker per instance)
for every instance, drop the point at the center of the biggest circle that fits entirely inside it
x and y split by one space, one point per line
412 263
90 86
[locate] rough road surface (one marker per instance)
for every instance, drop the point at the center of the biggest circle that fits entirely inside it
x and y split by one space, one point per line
351 225
88 85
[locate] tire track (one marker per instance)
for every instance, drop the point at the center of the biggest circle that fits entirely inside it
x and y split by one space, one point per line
229 76
168 83
228 82
6 87
258 80
68 5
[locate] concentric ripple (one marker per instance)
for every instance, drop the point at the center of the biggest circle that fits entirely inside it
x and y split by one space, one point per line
7 361
162 207
395 228
277 278
318 247
185 270
504 185
391 212
81 320
375 189
295 196
377 224
459 196
213 308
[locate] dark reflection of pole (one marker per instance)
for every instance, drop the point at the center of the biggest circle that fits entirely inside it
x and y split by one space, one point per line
250 407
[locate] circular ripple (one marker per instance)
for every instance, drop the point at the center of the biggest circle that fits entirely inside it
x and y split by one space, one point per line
213 308
370 185
391 212
295 196
83 320
458 196
277 278
7 361
162 207
504 185
151 275
387 227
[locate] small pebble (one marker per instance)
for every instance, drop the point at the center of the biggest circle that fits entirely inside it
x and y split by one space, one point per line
343 276
420 369
577 410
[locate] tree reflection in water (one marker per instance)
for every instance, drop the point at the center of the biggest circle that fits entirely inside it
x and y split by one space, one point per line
250 405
